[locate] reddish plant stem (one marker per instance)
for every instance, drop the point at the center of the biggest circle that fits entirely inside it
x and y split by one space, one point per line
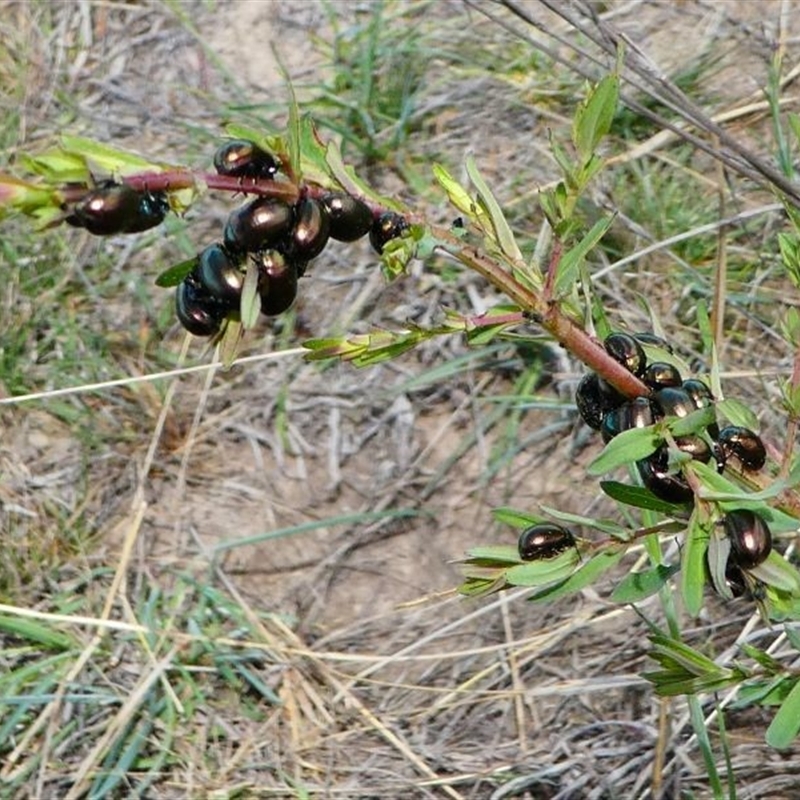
548 315
184 179
174 180
552 268
487 320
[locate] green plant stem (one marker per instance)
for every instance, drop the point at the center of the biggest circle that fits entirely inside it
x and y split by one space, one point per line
791 428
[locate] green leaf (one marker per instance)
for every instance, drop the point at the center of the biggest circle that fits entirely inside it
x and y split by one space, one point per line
321 349
104 158
737 413
793 635
544 571
599 563
625 448
173 275
503 234
765 693
640 585
786 724
569 265
693 558
565 164
764 659
687 671
456 193
516 518
480 587
719 548
399 252
58 166
674 653
250 300
28 198
503 553
729 496
594 116
776 571
348 180
790 255
229 342
638 497
610 527
692 423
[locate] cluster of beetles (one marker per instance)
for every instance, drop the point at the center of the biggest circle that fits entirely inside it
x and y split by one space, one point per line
604 409
279 238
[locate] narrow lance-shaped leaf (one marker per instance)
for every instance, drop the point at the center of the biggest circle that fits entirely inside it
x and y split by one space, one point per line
35 631
691 423
503 234
456 193
346 176
176 273
738 413
637 496
606 526
785 726
543 571
229 343
503 553
693 565
250 303
516 518
569 265
103 158
672 652
594 116
638 586
586 575
778 572
625 448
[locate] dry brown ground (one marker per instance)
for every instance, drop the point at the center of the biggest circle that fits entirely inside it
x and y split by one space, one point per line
392 686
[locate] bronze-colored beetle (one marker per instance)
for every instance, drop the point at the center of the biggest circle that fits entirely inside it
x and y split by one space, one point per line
311 230
219 274
277 281
242 159
350 219
544 540
386 227
594 401
636 413
258 224
196 310
111 208
660 375
626 350
654 471
750 538
744 444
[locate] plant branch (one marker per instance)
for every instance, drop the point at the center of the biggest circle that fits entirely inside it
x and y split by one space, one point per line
548 314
